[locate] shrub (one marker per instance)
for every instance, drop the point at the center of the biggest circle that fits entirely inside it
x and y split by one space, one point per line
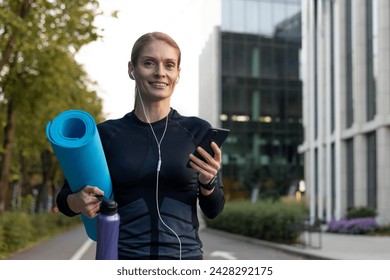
359 220
264 220
353 226
360 212
19 229
383 230
2 241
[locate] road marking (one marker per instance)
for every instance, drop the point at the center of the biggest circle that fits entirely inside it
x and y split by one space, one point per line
82 250
223 254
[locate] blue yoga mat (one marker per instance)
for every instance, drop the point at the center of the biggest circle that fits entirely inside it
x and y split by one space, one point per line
76 143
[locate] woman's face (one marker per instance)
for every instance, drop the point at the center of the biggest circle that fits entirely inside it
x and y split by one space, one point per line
157 71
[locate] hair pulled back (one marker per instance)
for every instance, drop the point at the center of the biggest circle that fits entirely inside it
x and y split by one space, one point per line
149 37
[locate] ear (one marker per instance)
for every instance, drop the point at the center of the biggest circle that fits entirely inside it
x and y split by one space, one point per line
130 66
130 70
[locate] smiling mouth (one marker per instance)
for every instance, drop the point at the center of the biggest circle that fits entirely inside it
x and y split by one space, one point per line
158 84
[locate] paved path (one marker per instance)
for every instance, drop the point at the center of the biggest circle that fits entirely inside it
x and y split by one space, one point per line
74 244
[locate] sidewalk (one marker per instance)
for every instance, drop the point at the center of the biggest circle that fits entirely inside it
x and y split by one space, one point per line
334 246
346 247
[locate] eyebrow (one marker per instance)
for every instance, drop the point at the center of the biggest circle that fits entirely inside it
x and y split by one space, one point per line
153 58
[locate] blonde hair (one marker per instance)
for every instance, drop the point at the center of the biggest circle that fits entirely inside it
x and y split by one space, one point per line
149 37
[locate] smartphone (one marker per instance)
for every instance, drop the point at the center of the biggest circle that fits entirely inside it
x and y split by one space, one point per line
216 135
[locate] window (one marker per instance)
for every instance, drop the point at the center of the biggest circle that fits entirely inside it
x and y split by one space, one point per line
333 181
371 32
332 69
350 173
371 171
349 66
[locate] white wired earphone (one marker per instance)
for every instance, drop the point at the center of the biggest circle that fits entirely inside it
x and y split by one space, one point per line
132 76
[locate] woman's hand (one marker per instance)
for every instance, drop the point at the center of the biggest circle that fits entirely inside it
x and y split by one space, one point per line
209 168
85 201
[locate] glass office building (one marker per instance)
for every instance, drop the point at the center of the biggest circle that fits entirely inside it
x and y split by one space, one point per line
250 83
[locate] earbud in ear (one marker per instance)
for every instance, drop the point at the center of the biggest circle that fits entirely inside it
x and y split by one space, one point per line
177 80
131 75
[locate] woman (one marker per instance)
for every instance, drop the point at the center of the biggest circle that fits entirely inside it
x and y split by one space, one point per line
147 152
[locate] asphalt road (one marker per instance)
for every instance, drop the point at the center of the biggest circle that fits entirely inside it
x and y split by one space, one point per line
74 244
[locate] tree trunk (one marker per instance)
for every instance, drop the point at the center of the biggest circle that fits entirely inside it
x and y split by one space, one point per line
6 162
9 48
45 191
6 53
10 121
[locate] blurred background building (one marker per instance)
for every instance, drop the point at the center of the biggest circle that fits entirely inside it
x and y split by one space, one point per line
346 106
250 83
304 88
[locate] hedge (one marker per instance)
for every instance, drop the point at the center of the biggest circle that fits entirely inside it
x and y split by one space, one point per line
19 229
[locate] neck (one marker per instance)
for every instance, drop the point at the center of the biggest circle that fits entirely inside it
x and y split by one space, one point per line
154 112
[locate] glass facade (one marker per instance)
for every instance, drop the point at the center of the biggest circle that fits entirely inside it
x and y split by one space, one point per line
261 93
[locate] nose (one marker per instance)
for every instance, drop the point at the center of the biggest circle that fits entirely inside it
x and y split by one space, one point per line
159 71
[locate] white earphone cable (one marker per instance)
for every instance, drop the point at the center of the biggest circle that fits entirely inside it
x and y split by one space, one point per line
158 169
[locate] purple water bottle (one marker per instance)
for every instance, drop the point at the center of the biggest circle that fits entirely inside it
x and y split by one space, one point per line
107 230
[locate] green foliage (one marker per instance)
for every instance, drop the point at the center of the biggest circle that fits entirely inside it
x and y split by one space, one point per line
41 75
383 230
40 78
266 220
2 239
360 212
19 230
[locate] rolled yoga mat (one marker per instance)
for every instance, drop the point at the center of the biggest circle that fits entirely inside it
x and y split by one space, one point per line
76 143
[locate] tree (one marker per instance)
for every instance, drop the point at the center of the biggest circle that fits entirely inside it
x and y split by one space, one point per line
39 76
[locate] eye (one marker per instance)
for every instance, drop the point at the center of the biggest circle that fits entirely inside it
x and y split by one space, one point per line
170 65
149 63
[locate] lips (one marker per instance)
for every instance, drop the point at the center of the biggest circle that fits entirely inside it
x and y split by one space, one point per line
158 84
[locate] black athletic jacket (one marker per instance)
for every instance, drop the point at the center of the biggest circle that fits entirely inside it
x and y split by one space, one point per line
132 156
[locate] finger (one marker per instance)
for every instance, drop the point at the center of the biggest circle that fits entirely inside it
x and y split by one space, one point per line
215 161
92 209
93 190
204 176
206 171
209 158
202 166
217 152
93 199
91 213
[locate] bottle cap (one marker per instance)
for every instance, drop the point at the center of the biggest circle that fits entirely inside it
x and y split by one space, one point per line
108 206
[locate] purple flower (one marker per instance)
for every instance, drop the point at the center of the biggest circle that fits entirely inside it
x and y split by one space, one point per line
353 226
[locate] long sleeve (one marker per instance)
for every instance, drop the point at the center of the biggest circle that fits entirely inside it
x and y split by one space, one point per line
61 200
213 204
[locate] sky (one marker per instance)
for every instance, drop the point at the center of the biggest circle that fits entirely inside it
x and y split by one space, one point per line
106 60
